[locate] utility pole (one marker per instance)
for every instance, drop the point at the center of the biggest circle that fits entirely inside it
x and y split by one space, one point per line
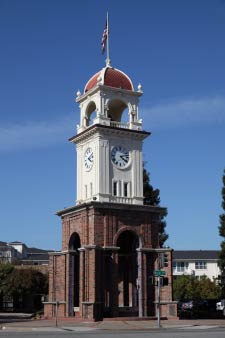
56 303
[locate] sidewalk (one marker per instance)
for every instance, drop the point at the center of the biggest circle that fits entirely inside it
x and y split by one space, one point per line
72 325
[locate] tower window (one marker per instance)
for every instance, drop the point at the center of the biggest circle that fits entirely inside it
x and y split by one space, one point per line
91 189
85 191
114 188
125 189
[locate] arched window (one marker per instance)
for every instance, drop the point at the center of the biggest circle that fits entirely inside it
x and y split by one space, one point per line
74 245
117 111
90 114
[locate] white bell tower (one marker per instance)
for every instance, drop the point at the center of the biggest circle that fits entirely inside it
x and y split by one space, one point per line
109 140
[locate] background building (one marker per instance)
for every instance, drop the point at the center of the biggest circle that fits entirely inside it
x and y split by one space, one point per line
198 263
19 254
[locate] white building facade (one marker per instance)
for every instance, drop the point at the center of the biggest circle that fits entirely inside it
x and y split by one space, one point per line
198 263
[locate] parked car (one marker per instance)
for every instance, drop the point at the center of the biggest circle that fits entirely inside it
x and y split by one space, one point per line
198 309
220 306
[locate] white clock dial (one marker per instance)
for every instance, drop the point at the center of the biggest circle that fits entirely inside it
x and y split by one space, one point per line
120 156
88 159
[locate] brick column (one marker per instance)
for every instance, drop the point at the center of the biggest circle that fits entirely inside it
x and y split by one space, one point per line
115 291
140 283
82 280
70 284
92 305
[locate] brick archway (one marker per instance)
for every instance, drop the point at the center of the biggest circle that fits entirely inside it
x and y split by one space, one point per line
134 230
128 242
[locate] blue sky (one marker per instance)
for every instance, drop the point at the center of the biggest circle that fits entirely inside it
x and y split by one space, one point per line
50 48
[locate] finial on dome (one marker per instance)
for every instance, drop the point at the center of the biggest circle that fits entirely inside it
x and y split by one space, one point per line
78 93
140 88
108 62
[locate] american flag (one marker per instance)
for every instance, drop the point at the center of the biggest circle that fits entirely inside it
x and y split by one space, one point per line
104 37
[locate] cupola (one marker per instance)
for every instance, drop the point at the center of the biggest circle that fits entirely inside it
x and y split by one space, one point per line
109 99
110 77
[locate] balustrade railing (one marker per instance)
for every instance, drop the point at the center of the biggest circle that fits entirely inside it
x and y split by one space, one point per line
117 124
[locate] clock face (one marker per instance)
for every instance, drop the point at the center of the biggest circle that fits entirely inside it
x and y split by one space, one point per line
120 156
88 159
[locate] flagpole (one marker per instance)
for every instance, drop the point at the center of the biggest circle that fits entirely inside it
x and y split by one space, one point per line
107 42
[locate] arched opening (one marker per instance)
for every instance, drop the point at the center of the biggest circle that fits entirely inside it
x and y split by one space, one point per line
90 114
116 110
74 245
128 242
125 115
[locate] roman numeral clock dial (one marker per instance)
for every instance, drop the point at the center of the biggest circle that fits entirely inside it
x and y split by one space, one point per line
88 159
120 156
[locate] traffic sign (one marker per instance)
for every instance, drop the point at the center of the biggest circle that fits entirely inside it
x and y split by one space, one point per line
159 273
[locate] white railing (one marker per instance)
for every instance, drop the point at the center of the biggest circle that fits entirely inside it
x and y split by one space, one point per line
118 199
119 124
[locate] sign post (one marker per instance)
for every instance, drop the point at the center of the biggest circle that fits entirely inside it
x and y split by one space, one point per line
56 303
159 274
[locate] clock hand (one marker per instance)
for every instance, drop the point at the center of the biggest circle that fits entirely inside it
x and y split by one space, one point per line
90 158
124 158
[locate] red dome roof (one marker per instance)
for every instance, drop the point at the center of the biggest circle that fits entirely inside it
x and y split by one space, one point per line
111 77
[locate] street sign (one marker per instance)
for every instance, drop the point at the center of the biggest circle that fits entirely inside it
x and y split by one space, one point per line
159 273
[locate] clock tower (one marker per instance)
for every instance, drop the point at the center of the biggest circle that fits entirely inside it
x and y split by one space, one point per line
110 242
109 140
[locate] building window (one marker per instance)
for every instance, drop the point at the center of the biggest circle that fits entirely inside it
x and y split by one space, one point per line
200 265
125 189
91 189
114 188
86 191
180 266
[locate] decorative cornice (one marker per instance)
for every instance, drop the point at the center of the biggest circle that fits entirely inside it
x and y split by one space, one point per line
112 206
111 248
156 250
119 131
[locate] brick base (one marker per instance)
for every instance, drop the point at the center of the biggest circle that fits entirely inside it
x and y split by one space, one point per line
105 268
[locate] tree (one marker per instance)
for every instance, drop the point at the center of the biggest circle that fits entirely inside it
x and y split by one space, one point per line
189 288
5 271
21 282
221 261
184 289
24 285
208 289
151 197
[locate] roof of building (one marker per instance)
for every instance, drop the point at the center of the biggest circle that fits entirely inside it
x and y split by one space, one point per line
111 77
195 254
37 251
35 254
36 257
29 255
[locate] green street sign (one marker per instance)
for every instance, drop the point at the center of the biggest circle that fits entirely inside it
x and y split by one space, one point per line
159 273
